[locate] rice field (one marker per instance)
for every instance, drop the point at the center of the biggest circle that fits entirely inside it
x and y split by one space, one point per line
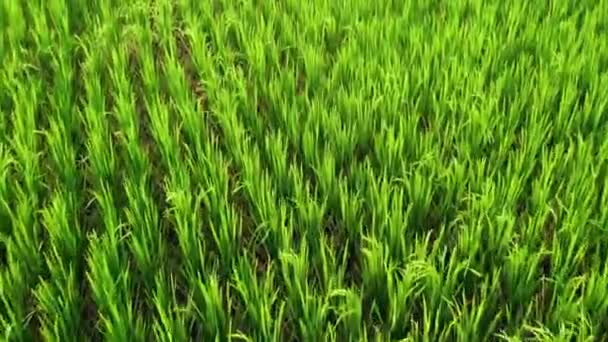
324 170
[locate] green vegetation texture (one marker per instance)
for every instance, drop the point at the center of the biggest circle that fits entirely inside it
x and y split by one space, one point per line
322 170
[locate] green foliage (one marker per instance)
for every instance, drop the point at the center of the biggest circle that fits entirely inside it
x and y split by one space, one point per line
251 170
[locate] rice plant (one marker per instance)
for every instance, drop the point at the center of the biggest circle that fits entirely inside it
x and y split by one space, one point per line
179 170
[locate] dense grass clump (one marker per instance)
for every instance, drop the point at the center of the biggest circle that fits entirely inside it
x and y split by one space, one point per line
180 170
